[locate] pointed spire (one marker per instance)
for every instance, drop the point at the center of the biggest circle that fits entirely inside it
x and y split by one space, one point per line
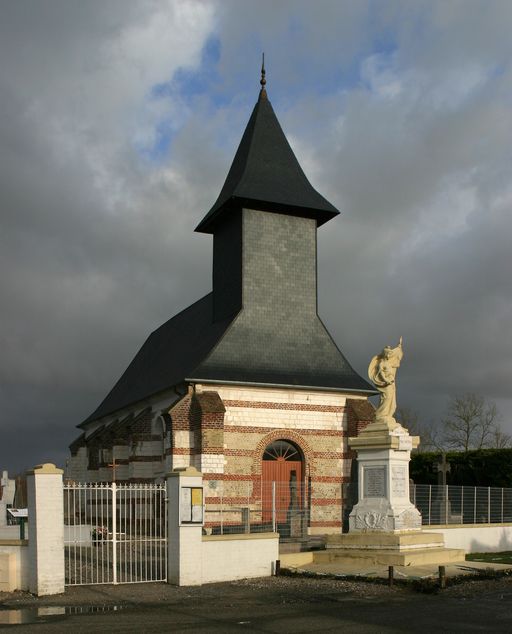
263 81
265 173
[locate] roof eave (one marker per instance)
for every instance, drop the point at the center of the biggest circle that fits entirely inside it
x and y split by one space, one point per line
210 221
350 390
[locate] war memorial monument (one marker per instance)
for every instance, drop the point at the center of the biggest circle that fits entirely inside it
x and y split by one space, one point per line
384 525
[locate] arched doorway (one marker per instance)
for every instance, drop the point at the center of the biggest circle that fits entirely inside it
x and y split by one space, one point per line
281 480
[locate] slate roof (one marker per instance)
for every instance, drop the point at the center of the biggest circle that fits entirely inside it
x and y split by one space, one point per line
302 355
168 355
190 346
265 174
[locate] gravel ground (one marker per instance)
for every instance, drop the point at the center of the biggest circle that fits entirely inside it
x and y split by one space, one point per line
285 589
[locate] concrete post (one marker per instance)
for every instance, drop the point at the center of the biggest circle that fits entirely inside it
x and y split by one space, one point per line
185 527
45 530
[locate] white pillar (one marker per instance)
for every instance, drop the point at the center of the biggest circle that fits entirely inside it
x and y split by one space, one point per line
45 530
185 527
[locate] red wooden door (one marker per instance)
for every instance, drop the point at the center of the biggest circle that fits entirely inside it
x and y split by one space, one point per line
281 464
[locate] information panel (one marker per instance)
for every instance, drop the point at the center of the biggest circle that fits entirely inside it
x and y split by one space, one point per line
374 479
191 505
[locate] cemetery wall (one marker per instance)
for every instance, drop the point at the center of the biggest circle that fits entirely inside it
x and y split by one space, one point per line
476 538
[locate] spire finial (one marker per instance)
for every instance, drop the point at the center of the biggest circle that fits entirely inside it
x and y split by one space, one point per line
263 81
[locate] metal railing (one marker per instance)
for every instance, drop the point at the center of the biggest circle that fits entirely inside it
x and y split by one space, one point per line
115 533
280 507
453 504
284 508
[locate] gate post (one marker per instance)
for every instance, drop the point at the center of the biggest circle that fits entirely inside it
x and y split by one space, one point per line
45 529
185 510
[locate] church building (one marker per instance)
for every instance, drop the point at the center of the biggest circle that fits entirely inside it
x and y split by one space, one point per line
247 385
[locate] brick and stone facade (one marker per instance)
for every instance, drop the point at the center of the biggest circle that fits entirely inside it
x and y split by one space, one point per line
223 431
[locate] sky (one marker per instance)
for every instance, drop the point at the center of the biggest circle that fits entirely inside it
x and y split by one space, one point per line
119 120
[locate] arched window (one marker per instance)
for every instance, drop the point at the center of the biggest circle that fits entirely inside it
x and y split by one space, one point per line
282 450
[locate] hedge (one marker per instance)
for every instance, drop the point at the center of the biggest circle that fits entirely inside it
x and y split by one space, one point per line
481 467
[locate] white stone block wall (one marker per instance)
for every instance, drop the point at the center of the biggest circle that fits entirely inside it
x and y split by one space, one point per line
276 395
184 439
475 538
212 463
10 532
144 470
122 452
285 419
14 565
148 448
232 557
181 461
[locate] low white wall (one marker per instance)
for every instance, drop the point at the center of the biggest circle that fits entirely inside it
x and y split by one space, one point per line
78 534
230 557
13 565
475 538
11 532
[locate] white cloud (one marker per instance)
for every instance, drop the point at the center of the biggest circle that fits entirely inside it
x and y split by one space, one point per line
379 75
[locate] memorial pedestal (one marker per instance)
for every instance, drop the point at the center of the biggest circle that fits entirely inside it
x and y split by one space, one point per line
383 455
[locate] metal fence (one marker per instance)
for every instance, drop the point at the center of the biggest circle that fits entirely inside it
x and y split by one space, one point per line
281 507
462 504
284 507
115 533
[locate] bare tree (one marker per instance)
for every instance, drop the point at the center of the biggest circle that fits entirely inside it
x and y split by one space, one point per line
472 423
500 439
430 438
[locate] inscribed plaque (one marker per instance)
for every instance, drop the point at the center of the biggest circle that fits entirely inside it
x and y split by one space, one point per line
404 443
374 482
398 481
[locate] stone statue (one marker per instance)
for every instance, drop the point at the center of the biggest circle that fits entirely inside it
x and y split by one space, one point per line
382 371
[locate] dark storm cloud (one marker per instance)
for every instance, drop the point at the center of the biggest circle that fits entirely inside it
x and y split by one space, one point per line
398 112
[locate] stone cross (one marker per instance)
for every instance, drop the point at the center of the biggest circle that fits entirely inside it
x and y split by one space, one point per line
112 465
442 467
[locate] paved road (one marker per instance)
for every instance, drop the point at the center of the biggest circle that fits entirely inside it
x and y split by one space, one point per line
289 606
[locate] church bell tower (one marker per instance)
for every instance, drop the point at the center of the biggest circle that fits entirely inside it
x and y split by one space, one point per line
264 225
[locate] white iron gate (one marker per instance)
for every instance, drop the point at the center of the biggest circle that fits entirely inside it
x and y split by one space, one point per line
115 533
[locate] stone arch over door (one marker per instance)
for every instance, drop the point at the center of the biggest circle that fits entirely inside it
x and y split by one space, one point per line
283 434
